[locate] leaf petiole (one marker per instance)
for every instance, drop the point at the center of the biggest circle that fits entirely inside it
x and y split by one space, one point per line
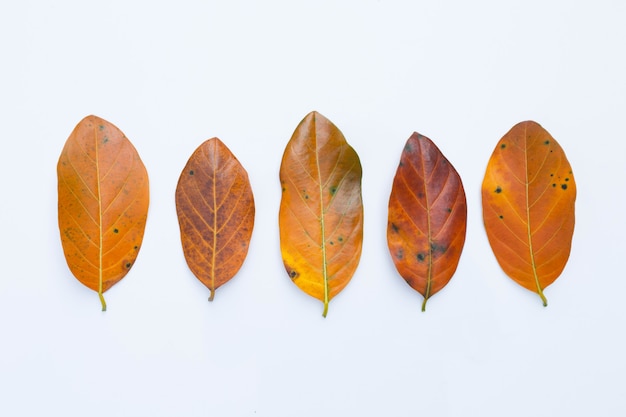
104 304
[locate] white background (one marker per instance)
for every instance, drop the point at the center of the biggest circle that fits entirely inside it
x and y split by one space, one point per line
172 74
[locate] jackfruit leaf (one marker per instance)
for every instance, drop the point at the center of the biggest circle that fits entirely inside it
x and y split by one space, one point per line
103 202
427 217
528 197
321 210
215 208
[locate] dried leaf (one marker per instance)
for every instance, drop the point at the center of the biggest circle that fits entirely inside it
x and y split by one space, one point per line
528 206
427 217
103 203
321 212
215 209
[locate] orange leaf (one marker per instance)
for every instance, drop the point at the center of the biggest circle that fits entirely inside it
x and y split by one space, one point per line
103 203
321 212
427 217
528 206
215 210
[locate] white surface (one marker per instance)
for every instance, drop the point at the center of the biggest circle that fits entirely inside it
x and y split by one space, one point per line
171 75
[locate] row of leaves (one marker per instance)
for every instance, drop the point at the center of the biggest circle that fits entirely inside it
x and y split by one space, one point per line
528 196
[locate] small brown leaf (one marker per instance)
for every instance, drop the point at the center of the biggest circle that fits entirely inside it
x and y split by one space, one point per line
103 203
215 209
427 217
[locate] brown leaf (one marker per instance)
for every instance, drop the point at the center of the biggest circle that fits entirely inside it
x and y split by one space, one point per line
427 217
321 212
215 209
528 198
103 203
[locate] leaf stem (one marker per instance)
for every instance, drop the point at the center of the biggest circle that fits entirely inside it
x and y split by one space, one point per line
325 308
424 304
104 304
212 294
543 297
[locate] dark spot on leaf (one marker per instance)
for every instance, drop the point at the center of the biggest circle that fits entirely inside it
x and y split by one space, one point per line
400 254
566 179
564 186
101 127
191 172
547 142
284 189
437 248
498 189
331 242
550 150
105 140
553 185
128 264
421 257
408 147
503 146
394 228
501 216
293 274
333 189
306 196
420 195
116 231
135 247
449 210
340 239
401 164
552 175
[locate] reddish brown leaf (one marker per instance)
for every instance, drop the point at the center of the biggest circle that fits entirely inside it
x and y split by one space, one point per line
427 217
215 209
321 212
528 206
103 203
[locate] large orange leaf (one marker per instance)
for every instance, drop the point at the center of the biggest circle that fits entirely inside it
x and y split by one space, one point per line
528 206
215 210
103 203
427 217
321 212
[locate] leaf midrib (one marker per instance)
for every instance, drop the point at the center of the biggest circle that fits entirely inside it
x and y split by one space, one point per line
101 237
528 228
322 224
429 232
